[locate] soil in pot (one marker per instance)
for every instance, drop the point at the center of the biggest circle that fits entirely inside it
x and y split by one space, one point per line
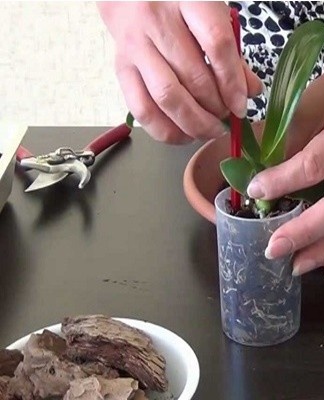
249 208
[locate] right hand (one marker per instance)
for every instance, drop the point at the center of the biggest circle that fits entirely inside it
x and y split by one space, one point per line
303 168
168 87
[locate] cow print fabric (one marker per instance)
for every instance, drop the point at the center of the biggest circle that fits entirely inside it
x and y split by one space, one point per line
266 26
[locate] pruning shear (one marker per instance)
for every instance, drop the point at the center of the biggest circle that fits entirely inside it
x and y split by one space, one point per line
57 165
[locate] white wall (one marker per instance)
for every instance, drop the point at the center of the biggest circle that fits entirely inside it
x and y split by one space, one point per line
56 65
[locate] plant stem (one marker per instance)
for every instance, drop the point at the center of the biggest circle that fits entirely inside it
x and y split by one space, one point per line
264 206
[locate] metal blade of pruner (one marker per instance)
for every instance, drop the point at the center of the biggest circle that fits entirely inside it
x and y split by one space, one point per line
56 166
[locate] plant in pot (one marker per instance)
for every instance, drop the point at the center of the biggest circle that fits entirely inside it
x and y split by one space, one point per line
260 298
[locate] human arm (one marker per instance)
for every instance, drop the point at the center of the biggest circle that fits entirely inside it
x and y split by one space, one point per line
160 65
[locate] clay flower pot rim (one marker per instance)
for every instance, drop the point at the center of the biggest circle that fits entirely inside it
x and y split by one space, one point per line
194 196
202 178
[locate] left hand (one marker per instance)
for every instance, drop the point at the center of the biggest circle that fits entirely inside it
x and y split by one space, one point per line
304 235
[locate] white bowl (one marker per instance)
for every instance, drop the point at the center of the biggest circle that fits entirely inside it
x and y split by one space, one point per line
182 367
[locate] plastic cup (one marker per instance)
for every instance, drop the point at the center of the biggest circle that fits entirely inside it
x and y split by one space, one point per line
260 299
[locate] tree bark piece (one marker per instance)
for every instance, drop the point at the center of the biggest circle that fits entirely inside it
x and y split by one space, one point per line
9 361
118 389
4 386
140 395
98 388
45 366
20 386
98 368
113 343
84 389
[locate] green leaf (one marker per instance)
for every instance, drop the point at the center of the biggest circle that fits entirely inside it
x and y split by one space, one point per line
311 194
250 146
238 173
293 71
130 120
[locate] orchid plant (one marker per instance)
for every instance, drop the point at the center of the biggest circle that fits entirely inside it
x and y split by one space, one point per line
293 71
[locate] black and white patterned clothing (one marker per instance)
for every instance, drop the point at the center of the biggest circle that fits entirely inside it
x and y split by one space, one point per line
266 26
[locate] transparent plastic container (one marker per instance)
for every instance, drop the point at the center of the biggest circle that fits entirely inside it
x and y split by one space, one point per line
260 299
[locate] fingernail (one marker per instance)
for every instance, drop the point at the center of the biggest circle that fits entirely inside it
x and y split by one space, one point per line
296 271
219 131
241 106
279 248
302 267
255 190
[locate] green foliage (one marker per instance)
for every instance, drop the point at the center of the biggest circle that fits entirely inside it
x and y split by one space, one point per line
130 120
238 172
293 71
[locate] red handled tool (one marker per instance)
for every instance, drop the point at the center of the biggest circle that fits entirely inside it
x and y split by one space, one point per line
57 165
236 123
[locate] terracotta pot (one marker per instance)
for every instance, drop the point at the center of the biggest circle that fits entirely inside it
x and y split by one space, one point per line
202 177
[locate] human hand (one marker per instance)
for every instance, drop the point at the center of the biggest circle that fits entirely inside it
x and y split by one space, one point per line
168 86
303 168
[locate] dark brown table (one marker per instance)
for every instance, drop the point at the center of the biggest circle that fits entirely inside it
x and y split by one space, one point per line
130 245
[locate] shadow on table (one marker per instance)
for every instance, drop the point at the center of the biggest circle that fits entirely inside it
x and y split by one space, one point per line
109 156
291 370
313 301
58 199
203 253
12 274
